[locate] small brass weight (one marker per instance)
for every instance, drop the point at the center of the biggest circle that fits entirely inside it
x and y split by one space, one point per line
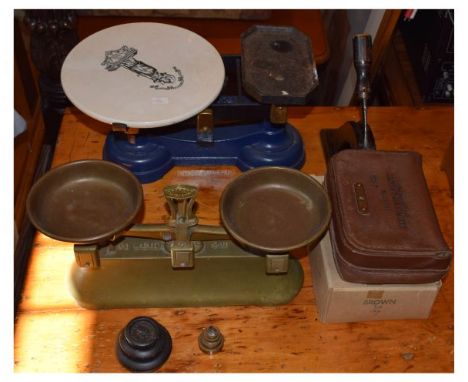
93 203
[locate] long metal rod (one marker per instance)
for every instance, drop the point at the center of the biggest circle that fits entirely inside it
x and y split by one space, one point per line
362 51
168 233
365 127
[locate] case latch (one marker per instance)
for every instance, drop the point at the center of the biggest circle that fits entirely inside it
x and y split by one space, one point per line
361 198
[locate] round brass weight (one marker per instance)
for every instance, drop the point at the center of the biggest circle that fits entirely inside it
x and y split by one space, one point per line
211 340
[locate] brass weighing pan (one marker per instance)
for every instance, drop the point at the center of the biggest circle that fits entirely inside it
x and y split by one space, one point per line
275 210
85 202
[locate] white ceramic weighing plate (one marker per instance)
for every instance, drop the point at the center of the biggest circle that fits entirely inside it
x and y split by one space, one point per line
143 75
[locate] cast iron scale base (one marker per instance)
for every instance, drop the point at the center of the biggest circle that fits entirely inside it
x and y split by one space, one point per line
93 203
180 264
135 272
152 153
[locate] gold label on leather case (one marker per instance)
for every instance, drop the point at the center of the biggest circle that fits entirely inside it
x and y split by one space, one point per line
361 198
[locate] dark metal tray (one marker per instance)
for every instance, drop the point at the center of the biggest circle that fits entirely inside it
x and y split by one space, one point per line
278 65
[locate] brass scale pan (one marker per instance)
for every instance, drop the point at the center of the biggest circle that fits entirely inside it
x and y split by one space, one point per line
268 210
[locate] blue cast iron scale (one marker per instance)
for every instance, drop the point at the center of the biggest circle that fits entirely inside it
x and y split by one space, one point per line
246 125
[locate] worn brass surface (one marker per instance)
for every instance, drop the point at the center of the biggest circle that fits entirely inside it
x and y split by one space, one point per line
275 209
181 198
167 233
87 256
278 114
211 340
138 273
361 198
86 202
277 264
205 126
131 132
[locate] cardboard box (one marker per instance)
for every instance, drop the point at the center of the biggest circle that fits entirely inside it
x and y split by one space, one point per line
342 301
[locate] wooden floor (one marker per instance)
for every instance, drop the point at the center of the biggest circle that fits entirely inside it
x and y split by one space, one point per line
53 334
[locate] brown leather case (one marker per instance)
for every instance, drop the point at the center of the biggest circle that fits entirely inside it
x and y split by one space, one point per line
384 228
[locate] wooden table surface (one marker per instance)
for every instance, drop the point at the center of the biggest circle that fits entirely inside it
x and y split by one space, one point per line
52 333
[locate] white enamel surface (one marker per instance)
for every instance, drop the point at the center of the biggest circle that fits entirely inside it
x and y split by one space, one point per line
122 96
